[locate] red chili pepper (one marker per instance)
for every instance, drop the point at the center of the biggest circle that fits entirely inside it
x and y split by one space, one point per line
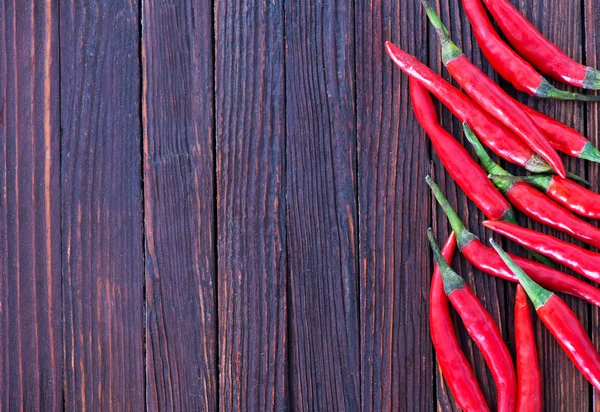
582 261
534 203
572 196
563 137
492 133
482 329
561 321
491 97
455 367
457 161
486 260
538 50
509 64
529 378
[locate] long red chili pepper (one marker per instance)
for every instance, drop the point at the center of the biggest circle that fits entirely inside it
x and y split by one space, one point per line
482 329
572 196
562 137
509 64
457 161
486 260
561 321
492 133
538 50
529 378
491 97
534 203
580 260
455 367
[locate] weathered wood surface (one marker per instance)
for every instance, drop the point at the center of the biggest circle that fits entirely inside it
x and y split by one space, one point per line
220 205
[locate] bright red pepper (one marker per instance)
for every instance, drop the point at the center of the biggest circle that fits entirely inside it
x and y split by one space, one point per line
482 329
487 260
561 321
457 161
509 64
491 97
529 378
492 133
582 261
455 368
534 203
538 50
571 195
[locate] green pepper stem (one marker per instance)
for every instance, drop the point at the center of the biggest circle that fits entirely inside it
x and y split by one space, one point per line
546 90
450 51
540 181
538 295
590 152
450 278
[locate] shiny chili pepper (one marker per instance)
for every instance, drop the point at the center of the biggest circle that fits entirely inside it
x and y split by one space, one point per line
534 203
491 97
486 260
572 196
455 367
482 329
538 50
507 62
561 321
582 261
457 161
529 378
562 137
492 133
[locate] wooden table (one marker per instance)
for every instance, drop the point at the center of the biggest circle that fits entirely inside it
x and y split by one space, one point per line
222 206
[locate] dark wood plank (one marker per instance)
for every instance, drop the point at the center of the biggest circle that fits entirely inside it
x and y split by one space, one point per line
394 212
102 257
250 130
321 195
177 110
30 283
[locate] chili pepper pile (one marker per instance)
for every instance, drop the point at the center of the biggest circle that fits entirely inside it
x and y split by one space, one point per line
551 195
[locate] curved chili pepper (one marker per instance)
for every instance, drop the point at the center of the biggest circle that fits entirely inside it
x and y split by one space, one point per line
529 378
457 161
562 137
455 367
509 64
491 97
482 329
534 203
492 133
561 321
538 50
486 260
582 261
572 196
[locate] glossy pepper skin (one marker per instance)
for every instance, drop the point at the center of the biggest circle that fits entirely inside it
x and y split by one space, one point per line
561 321
582 261
534 203
572 196
455 368
529 378
562 137
457 161
491 97
492 133
507 62
482 329
538 50
487 260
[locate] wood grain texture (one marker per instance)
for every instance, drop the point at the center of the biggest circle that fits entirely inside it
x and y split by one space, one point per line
252 267
102 255
393 159
322 211
177 113
30 278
